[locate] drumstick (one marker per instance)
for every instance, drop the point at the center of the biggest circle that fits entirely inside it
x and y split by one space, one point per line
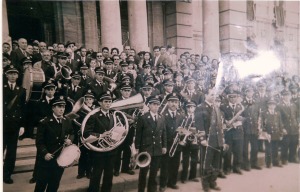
60 146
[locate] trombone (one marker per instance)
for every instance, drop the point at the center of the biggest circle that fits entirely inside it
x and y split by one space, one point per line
176 141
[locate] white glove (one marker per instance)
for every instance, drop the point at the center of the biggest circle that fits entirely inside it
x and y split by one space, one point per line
22 130
204 143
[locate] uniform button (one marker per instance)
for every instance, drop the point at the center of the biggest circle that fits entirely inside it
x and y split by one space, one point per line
59 143
217 132
153 137
56 137
153 142
13 116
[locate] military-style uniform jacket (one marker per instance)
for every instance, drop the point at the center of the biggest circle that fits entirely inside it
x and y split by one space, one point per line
51 136
172 123
150 135
42 109
271 123
210 121
289 118
77 94
229 113
13 108
251 114
98 89
196 96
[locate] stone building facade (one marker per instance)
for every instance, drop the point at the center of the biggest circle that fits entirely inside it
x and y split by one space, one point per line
210 27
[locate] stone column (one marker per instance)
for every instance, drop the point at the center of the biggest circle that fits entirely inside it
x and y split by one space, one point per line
111 35
5 29
211 40
90 24
138 27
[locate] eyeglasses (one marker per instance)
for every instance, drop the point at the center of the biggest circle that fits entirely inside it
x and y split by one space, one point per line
116 59
50 49
105 51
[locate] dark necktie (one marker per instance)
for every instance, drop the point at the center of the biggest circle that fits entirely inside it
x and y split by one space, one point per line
233 107
155 118
11 87
173 114
107 115
59 119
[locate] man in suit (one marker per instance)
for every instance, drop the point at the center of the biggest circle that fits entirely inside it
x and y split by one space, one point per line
53 132
97 85
190 92
124 72
46 65
82 58
234 134
85 79
170 162
109 71
13 120
38 56
158 58
72 63
290 120
210 121
151 138
75 91
99 125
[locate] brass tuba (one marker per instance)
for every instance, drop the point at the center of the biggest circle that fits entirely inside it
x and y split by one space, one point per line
120 129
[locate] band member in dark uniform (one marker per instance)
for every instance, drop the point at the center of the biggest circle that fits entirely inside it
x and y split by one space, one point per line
75 91
212 141
271 123
54 131
170 165
99 125
126 90
190 149
234 133
13 120
97 85
151 138
84 164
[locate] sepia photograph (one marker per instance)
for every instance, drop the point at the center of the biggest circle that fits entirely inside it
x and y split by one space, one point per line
149 95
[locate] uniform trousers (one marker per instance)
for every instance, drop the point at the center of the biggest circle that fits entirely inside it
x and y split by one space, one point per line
169 169
48 178
189 159
125 158
235 149
84 164
101 164
152 184
271 153
10 141
253 140
289 148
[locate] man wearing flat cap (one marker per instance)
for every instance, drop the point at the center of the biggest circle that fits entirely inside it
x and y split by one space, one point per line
99 125
170 162
14 98
53 132
151 138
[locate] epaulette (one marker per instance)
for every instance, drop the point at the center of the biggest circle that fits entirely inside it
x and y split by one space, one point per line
42 120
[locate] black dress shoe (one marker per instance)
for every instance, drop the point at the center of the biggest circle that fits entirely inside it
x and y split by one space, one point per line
183 181
277 165
130 172
246 168
238 171
88 175
222 175
268 166
256 167
162 189
8 180
80 176
284 163
195 180
173 186
32 180
116 173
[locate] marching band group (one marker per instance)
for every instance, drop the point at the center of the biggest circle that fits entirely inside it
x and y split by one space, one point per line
123 111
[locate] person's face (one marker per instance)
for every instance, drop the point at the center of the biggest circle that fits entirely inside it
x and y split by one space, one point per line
183 59
168 76
271 107
29 49
131 58
35 49
6 48
127 49
204 59
105 53
233 99
89 101
84 71
147 56
130 66
12 77
126 93
173 105
286 98
83 52
125 68
153 107
132 52
99 57
61 48
123 56
210 96
163 50
114 52
93 64
23 44
51 50
188 60
197 59
99 76
261 88
5 62
147 91
62 61
55 46
171 50
105 104
75 81
58 110
116 60
249 93
201 82
147 70
42 47
108 66
187 55
191 109
179 78
169 88
191 85
72 47
156 52
15 46
50 91
46 56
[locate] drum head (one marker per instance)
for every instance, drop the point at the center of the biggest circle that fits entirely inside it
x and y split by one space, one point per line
68 156
32 81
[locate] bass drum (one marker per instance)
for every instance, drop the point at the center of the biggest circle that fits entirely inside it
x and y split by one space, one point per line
32 81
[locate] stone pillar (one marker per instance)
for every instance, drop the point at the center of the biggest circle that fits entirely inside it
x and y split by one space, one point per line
233 26
5 29
155 23
111 35
138 28
90 25
179 30
211 42
197 27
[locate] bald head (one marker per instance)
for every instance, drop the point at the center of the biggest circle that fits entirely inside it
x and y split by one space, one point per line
22 43
42 47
